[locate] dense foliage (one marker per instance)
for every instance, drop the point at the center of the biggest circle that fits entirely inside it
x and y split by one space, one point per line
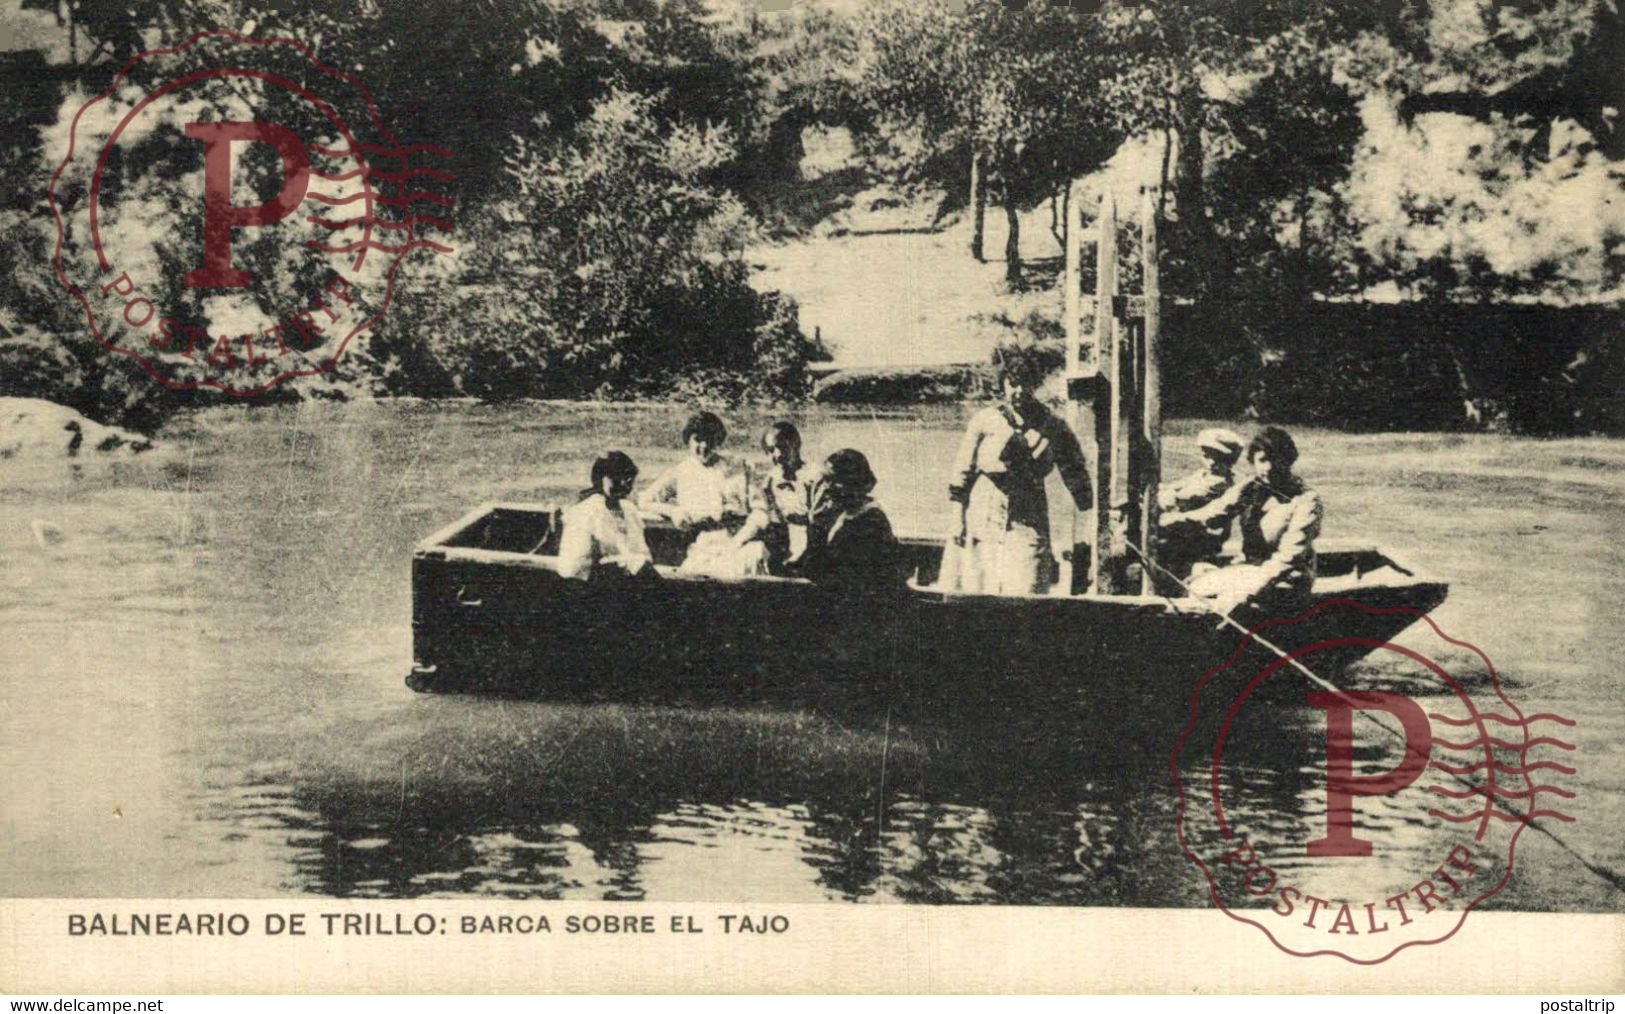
612 269
615 159
1290 131
1311 152
594 148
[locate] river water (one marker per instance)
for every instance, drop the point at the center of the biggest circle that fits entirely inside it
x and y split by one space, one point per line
203 659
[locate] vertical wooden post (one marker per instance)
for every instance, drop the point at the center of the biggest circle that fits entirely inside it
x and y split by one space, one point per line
978 201
1072 318
1072 282
1105 359
1151 471
1124 399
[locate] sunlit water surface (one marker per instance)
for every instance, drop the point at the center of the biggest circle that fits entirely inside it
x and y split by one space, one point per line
203 685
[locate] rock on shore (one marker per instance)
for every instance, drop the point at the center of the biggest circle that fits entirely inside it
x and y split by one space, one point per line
33 428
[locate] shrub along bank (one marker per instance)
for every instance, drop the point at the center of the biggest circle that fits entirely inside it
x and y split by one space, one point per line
1524 369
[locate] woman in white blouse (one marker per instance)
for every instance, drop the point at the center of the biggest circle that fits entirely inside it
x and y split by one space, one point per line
1008 451
603 535
704 494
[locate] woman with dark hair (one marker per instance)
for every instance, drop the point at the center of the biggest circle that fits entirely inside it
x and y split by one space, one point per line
849 540
998 483
603 535
780 505
702 494
693 492
1279 518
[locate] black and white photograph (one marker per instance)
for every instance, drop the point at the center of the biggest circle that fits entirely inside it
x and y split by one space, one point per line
629 469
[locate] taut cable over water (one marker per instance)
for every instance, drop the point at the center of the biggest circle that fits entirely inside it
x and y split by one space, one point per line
1611 877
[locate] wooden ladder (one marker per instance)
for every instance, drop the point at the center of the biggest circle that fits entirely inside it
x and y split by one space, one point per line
1118 390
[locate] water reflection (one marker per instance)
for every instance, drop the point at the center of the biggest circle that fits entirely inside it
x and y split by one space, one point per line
603 802
209 698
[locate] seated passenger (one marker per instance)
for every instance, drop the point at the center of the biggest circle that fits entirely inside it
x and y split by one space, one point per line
849 538
780 506
1181 541
702 494
603 536
1279 518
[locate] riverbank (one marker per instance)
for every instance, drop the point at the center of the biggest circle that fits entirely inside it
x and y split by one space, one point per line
912 317
38 430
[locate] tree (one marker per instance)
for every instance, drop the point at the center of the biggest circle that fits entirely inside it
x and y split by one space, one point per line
599 251
1523 165
462 76
612 269
1274 197
1184 69
1540 61
808 63
1010 92
113 30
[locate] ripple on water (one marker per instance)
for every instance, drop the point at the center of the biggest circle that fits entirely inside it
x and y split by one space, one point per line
232 625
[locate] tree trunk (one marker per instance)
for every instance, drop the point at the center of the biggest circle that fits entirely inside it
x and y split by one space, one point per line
1012 246
1305 282
978 200
1164 178
1059 200
1194 230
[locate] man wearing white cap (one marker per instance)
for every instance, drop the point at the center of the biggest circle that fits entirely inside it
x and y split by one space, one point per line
1184 541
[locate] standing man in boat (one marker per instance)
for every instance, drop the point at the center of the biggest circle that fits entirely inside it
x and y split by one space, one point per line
1182 542
1009 449
1280 520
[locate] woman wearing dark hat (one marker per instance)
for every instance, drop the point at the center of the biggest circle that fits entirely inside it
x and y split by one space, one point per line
1279 518
603 535
998 482
849 539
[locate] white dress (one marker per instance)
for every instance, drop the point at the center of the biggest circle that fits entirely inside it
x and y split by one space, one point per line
699 491
706 497
593 532
999 476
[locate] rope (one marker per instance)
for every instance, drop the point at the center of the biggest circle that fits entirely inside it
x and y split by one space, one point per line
1609 876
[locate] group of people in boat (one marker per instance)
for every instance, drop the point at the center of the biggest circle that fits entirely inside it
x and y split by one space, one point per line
790 519
821 522
1002 534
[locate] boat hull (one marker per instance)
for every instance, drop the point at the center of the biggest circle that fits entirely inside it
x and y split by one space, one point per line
496 620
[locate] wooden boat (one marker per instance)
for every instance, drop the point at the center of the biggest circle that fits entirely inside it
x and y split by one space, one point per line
491 613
